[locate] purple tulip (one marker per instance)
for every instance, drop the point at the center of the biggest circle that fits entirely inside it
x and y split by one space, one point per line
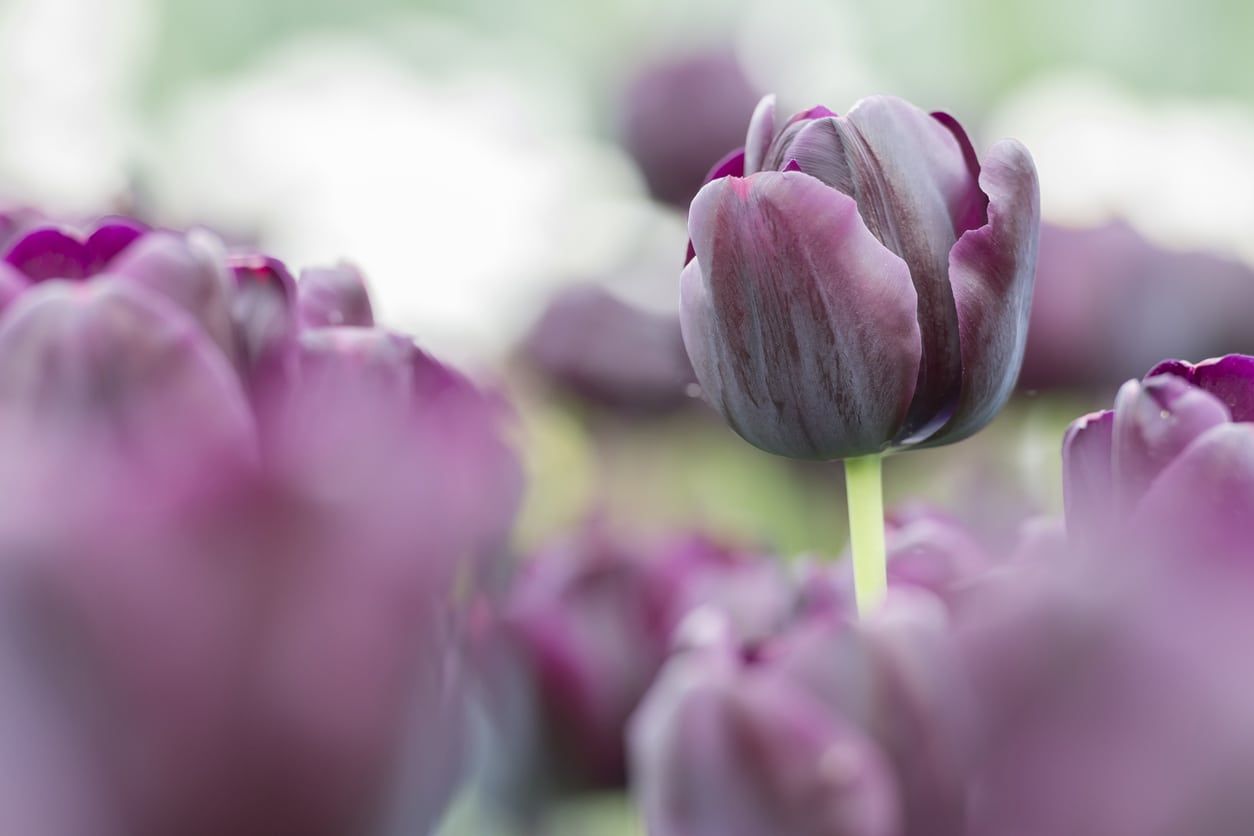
1168 467
721 747
1112 700
586 628
611 353
860 282
681 111
238 589
1108 304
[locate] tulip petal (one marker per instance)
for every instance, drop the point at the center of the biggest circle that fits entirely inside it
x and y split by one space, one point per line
12 283
800 325
48 253
1230 379
991 270
911 179
110 239
1199 506
333 296
761 132
189 271
1155 421
1088 478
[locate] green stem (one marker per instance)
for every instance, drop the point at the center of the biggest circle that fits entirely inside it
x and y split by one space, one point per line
865 488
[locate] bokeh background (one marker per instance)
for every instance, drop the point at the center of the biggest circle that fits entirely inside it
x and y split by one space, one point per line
470 156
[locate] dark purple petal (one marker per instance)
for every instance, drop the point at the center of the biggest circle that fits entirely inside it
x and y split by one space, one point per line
991 270
970 211
48 253
1154 422
800 325
909 176
333 296
680 113
109 239
1088 479
1229 378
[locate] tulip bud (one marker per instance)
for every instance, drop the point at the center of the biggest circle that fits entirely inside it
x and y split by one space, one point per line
860 283
724 748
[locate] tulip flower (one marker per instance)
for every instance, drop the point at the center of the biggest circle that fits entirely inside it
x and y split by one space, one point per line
1109 304
584 631
609 352
236 587
860 284
1172 465
722 747
678 112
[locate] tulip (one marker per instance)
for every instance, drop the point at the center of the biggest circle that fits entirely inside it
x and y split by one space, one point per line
680 111
860 284
238 586
1168 466
722 747
611 353
1108 304
584 631
1112 700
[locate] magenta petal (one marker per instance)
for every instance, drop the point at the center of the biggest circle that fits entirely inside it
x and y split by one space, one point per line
48 253
333 296
992 270
1155 421
800 325
1229 378
111 238
1088 478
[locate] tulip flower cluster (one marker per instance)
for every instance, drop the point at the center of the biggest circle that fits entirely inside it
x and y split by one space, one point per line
234 516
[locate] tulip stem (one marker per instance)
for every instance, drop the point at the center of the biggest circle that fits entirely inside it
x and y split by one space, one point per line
865 489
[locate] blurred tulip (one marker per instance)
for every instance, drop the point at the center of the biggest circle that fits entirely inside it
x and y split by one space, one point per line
722 747
679 112
895 674
1167 467
588 625
609 352
860 283
1112 701
240 588
1108 304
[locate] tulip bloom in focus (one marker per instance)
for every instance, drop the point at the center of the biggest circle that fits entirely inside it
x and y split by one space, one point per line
232 516
860 283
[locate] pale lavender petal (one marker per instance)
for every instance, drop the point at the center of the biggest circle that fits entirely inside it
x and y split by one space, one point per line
800 325
991 270
189 270
761 132
333 296
12 284
1088 479
1155 421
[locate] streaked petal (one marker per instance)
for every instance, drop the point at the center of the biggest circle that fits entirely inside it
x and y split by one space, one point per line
801 326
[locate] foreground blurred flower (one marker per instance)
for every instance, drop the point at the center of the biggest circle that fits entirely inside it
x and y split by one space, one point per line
586 628
1109 304
681 111
236 575
860 284
610 352
1171 467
